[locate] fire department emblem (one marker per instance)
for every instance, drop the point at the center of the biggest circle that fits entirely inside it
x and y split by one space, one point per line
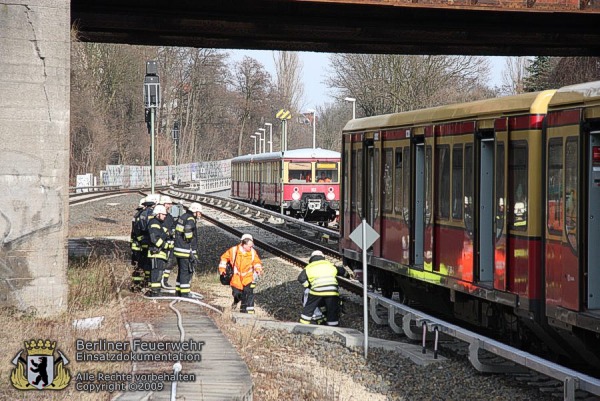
41 370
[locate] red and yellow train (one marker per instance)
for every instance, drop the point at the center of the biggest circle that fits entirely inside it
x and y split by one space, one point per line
490 209
301 183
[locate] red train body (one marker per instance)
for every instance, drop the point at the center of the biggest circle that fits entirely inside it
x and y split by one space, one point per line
490 209
302 183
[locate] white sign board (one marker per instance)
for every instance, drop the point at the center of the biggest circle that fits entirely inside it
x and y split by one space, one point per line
370 238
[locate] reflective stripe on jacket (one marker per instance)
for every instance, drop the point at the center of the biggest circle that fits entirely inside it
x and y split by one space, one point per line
159 235
186 236
245 264
320 277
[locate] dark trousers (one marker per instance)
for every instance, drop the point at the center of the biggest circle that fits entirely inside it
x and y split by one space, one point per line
332 303
184 277
146 264
246 296
158 266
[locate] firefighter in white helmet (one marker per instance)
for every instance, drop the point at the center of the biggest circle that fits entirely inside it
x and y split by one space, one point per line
158 247
247 268
320 276
186 246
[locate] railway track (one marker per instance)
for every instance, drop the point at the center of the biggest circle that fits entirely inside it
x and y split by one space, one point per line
273 234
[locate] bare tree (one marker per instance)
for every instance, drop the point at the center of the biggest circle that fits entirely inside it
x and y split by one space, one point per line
574 70
251 83
393 83
290 88
514 74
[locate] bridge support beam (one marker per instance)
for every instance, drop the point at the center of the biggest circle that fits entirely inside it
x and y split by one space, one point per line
34 157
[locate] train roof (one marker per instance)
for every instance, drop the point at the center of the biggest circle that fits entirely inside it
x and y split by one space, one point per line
534 103
306 153
585 93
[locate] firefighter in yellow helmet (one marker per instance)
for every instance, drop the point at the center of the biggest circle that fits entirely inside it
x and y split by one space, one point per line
320 276
247 268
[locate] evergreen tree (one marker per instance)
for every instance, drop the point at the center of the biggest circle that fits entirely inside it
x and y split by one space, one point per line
538 74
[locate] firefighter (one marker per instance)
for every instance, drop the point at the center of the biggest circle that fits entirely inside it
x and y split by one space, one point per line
143 237
137 277
186 245
320 276
170 224
247 268
158 248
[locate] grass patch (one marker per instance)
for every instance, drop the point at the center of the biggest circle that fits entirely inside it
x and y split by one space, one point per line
92 292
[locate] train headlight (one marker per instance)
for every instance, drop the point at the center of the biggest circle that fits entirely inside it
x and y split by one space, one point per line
330 196
296 196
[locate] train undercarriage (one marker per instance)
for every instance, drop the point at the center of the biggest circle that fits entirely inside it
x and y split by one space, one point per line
517 327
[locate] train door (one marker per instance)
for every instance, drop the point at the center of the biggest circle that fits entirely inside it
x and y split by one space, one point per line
500 239
593 219
419 203
371 185
485 238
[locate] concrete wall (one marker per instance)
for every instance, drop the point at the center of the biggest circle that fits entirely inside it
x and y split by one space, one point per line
34 154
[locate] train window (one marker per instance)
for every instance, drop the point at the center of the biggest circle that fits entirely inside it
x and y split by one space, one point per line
571 178
555 181
468 188
398 181
388 187
326 172
442 181
457 181
406 185
359 182
299 172
518 188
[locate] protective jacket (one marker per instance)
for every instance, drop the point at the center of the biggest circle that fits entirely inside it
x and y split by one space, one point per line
142 224
320 276
158 235
186 236
135 243
245 265
170 224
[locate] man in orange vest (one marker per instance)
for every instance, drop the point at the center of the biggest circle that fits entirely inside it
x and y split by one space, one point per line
247 267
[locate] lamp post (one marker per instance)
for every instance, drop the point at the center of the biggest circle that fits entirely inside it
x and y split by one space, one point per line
353 100
176 143
264 139
314 126
270 136
151 103
254 136
259 136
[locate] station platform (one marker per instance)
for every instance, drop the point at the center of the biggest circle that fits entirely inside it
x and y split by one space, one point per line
221 375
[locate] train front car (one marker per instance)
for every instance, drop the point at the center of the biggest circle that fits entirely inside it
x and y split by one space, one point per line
311 187
455 194
572 217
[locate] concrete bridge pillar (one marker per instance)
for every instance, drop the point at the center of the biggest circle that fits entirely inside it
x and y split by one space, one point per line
34 154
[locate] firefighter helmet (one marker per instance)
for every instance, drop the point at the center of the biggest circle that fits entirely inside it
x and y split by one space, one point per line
195 207
159 209
164 199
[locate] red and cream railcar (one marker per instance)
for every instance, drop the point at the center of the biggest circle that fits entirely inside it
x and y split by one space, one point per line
302 183
479 209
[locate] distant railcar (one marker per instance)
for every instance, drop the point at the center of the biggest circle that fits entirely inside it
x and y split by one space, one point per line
301 183
488 209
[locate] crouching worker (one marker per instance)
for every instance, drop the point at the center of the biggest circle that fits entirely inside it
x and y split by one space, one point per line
320 276
247 268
